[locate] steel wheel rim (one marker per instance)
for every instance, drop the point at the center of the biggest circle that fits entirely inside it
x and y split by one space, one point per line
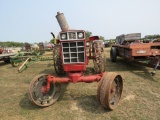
99 87
37 94
114 87
110 90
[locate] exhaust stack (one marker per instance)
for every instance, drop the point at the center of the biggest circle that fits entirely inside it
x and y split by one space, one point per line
62 21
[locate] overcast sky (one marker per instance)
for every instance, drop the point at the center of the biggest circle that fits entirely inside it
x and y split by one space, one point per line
33 20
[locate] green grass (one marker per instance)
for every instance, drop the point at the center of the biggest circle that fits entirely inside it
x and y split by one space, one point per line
140 98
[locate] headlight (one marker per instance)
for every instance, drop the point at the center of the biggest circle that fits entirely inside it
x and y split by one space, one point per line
80 35
63 36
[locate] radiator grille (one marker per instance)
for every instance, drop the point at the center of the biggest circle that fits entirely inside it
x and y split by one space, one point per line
72 35
73 52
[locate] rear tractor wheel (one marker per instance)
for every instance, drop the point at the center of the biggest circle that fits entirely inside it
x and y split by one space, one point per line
58 66
57 60
37 93
110 90
100 59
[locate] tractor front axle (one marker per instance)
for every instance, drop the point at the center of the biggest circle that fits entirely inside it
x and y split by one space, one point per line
73 77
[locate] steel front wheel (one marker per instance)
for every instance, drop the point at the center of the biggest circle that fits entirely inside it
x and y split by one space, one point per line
37 93
110 90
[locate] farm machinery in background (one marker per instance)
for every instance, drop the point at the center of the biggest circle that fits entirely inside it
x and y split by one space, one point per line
6 54
1 50
132 48
31 55
71 59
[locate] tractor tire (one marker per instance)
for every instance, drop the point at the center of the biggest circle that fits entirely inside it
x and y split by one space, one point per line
99 57
101 65
58 66
110 90
113 54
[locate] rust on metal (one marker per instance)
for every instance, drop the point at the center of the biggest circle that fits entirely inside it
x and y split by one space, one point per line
110 90
132 48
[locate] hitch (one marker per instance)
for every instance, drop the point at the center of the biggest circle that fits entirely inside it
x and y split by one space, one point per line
154 69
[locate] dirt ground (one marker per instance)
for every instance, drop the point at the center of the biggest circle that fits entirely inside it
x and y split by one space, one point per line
140 99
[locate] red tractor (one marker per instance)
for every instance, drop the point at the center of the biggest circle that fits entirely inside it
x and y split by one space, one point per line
71 59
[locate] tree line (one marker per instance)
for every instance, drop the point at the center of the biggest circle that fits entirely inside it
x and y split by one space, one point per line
152 36
11 44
